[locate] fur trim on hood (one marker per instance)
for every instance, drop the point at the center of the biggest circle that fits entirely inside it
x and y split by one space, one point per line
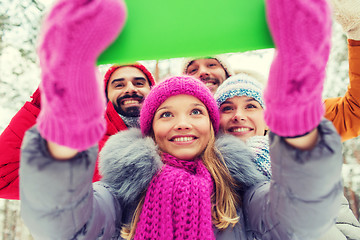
129 161
239 160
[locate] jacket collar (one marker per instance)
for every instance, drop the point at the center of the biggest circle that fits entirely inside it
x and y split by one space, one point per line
128 162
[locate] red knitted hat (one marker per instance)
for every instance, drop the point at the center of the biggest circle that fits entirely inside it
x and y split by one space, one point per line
139 66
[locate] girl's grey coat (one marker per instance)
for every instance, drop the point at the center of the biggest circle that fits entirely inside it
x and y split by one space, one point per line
59 201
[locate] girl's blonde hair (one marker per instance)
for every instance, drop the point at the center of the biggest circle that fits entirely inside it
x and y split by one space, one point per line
224 199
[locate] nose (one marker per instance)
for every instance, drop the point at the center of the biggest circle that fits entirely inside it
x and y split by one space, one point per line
182 123
239 116
202 73
130 88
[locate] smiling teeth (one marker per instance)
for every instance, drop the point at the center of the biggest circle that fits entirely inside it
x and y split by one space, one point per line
209 84
240 129
183 139
130 102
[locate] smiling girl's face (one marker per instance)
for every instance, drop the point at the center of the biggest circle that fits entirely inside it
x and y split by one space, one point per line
181 127
242 117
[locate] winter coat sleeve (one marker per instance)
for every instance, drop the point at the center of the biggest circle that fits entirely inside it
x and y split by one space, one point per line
347 226
344 112
303 198
10 143
58 200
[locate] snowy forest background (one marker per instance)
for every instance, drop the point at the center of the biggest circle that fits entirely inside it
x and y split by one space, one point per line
20 21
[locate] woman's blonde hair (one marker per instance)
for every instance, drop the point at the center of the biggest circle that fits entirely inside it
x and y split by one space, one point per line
224 198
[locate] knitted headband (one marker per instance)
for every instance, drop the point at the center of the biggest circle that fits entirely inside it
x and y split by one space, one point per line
139 66
226 66
241 84
174 86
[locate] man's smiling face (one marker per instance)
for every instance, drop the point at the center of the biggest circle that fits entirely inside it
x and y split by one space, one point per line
208 70
127 88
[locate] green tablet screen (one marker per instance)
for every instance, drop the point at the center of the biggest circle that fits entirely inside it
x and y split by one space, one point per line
162 29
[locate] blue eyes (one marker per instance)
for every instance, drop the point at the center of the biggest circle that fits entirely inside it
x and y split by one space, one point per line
230 108
166 115
169 114
196 112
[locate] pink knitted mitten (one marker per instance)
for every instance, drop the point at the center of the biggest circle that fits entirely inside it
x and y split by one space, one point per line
74 34
301 31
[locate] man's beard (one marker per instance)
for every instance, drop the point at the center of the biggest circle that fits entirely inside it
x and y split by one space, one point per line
130 111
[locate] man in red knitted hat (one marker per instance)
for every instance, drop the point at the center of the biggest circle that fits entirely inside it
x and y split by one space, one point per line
126 86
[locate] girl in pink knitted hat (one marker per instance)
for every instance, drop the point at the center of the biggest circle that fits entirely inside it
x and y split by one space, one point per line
177 178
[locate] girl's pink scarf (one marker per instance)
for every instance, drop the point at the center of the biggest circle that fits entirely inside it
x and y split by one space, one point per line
177 203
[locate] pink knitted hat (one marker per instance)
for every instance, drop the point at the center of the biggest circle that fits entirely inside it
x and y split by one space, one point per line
175 86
